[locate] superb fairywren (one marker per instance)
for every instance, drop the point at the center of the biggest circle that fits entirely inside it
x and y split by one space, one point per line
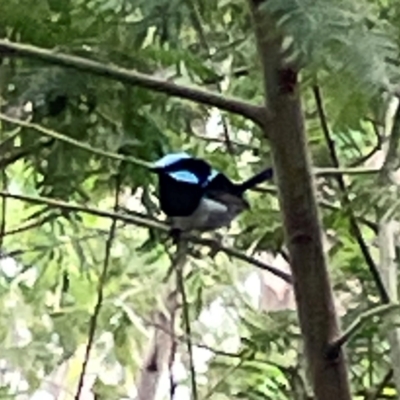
181 183
230 197
195 196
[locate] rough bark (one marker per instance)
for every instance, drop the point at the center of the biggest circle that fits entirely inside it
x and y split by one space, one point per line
313 292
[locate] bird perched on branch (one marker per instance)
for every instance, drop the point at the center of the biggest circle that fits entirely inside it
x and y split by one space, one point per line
194 196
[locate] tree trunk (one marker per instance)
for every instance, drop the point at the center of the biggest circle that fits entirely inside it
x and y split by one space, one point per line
284 127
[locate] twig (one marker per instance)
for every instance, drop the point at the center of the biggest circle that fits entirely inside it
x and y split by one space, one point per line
361 160
376 394
19 153
146 222
100 294
3 209
41 248
8 141
388 237
179 263
381 310
229 371
217 247
347 202
392 157
325 204
133 160
73 142
243 355
5 142
35 224
236 106
198 25
345 171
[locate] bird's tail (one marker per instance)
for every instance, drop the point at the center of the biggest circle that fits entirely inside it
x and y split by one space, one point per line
261 177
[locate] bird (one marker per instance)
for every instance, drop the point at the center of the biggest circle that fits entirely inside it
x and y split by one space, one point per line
197 197
181 183
229 196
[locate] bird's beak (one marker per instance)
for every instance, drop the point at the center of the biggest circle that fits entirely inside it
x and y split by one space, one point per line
155 169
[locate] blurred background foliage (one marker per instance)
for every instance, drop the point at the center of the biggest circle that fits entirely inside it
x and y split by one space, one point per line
243 322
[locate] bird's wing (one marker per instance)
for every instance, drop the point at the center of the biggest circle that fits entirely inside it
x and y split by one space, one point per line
235 204
186 177
221 209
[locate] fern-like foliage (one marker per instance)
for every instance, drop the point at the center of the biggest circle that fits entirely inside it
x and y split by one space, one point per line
345 38
50 90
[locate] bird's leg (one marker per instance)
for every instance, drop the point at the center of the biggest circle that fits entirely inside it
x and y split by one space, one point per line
215 245
175 234
181 251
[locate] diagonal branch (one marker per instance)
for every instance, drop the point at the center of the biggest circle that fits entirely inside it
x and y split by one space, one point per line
357 324
179 263
376 394
198 26
136 161
233 105
335 171
146 222
63 138
388 233
391 162
36 223
100 293
327 205
347 202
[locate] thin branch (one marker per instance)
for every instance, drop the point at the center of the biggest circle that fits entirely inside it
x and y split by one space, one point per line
144 221
217 247
34 224
198 25
361 160
244 354
100 293
347 202
5 142
376 394
391 162
19 153
327 205
228 372
388 236
179 263
52 246
8 142
136 161
3 209
349 333
236 106
73 142
345 171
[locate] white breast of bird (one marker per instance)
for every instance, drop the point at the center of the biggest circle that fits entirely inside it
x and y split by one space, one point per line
210 215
